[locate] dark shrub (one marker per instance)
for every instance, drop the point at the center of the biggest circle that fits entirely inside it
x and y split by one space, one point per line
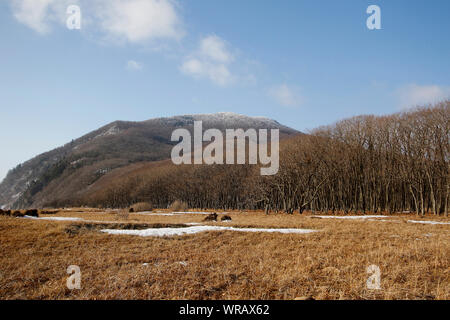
32 213
17 214
211 217
141 206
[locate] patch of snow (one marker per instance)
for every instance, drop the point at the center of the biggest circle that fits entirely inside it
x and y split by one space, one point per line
428 222
159 264
70 219
92 221
17 195
349 217
383 220
55 218
229 119
110 132
170 232
77 161
102 171
102 221
150 213
193 212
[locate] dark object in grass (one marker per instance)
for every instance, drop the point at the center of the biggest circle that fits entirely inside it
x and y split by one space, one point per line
226 218
32 213
5 212
17 214
141 207
47 211
211 217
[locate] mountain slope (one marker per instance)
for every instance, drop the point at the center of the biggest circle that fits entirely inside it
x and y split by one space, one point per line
71 169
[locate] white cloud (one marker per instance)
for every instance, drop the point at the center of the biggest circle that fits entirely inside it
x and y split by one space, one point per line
414 95
32 13
138 20
119 21
134 65
40 14
211 60
214 48
217 73
285 95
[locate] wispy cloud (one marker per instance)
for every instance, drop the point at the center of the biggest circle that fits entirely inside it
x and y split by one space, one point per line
138 20
134 65
215 49
119 21
154 22
39 15
211 60
285 95
414 95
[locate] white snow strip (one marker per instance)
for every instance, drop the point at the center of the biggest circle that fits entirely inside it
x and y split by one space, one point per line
93 221
55 218
149 213
428 222
68 219
349 217
183 263
170 232
198 212
383 220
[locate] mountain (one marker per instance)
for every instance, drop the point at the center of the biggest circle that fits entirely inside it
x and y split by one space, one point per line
72 169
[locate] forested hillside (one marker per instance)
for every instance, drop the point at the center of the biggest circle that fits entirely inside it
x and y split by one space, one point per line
70 172
395 163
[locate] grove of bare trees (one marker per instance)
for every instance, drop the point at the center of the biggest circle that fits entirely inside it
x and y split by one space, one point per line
378 164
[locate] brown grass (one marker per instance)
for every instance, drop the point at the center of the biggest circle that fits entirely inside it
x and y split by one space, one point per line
141 207
330 264
122 215
178 205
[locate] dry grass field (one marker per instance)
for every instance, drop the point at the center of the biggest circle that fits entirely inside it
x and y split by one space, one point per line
414 259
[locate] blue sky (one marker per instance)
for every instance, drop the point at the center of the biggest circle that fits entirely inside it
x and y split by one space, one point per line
304 63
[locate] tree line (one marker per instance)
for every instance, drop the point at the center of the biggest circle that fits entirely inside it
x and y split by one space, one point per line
377 164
